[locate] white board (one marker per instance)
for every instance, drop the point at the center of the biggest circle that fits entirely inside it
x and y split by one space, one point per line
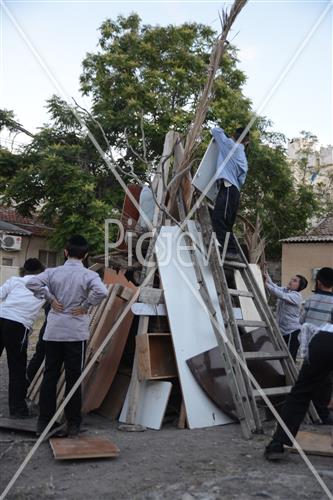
190 326
248 307
207 170
152 403
142 309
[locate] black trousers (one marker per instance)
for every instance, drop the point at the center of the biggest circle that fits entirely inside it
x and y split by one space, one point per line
293 343
38 357
313 383
14 338
224 215
72 355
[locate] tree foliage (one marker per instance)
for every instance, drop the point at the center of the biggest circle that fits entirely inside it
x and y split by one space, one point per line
151 77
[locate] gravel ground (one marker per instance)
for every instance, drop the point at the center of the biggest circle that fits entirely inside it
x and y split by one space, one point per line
213 463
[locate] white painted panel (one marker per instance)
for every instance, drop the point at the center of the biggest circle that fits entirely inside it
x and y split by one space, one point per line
191 329
207 170
152 403
248 308
142 309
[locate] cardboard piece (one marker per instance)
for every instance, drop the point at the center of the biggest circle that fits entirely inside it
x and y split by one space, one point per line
207 170
83 448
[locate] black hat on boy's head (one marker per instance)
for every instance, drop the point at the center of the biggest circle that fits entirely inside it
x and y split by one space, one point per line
325 276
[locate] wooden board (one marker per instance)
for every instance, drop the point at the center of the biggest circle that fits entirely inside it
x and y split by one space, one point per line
115 397
21 425
140 309
314 443
207 170
191 328
152 402
83 448
100 377
156 357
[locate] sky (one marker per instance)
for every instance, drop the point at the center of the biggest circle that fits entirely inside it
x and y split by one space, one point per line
285 49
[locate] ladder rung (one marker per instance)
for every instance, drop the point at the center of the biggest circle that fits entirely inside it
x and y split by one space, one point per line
240 293
232 263
247 322
273 391
265 355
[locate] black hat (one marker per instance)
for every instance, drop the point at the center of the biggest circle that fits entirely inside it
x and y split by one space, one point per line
33 265
325 276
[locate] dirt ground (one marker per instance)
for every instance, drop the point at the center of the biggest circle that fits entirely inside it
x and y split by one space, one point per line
170 464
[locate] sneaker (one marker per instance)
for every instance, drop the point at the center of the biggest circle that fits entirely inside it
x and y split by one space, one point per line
274 451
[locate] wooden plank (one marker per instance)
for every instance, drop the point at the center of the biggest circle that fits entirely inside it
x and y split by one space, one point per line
151 295
252 324
140 309
314 443
265 356
156 358
182 416
20 425
115 397
191 328
240 293
151 404
83 448
111 277
207 170
272 391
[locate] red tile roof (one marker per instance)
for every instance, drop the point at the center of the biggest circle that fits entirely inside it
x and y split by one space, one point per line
321 233
32 224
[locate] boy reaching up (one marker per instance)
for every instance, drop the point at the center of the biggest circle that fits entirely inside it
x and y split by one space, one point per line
73 289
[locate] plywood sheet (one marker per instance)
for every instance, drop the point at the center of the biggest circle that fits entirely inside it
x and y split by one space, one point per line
207 170
22 425
152 403
115 397
191 328
100 377
314 443
83 448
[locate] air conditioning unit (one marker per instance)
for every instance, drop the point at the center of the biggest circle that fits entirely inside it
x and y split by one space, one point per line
10 242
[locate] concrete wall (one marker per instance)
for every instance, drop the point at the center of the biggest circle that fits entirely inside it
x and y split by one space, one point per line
303 258
30 248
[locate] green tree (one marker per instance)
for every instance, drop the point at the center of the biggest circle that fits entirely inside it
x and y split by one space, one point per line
151 77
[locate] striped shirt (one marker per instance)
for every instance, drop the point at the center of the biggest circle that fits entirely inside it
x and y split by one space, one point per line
318 308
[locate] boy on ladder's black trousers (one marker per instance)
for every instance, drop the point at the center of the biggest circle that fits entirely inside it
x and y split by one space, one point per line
72 355
224 215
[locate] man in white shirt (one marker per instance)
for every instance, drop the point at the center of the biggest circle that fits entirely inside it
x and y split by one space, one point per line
19 309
